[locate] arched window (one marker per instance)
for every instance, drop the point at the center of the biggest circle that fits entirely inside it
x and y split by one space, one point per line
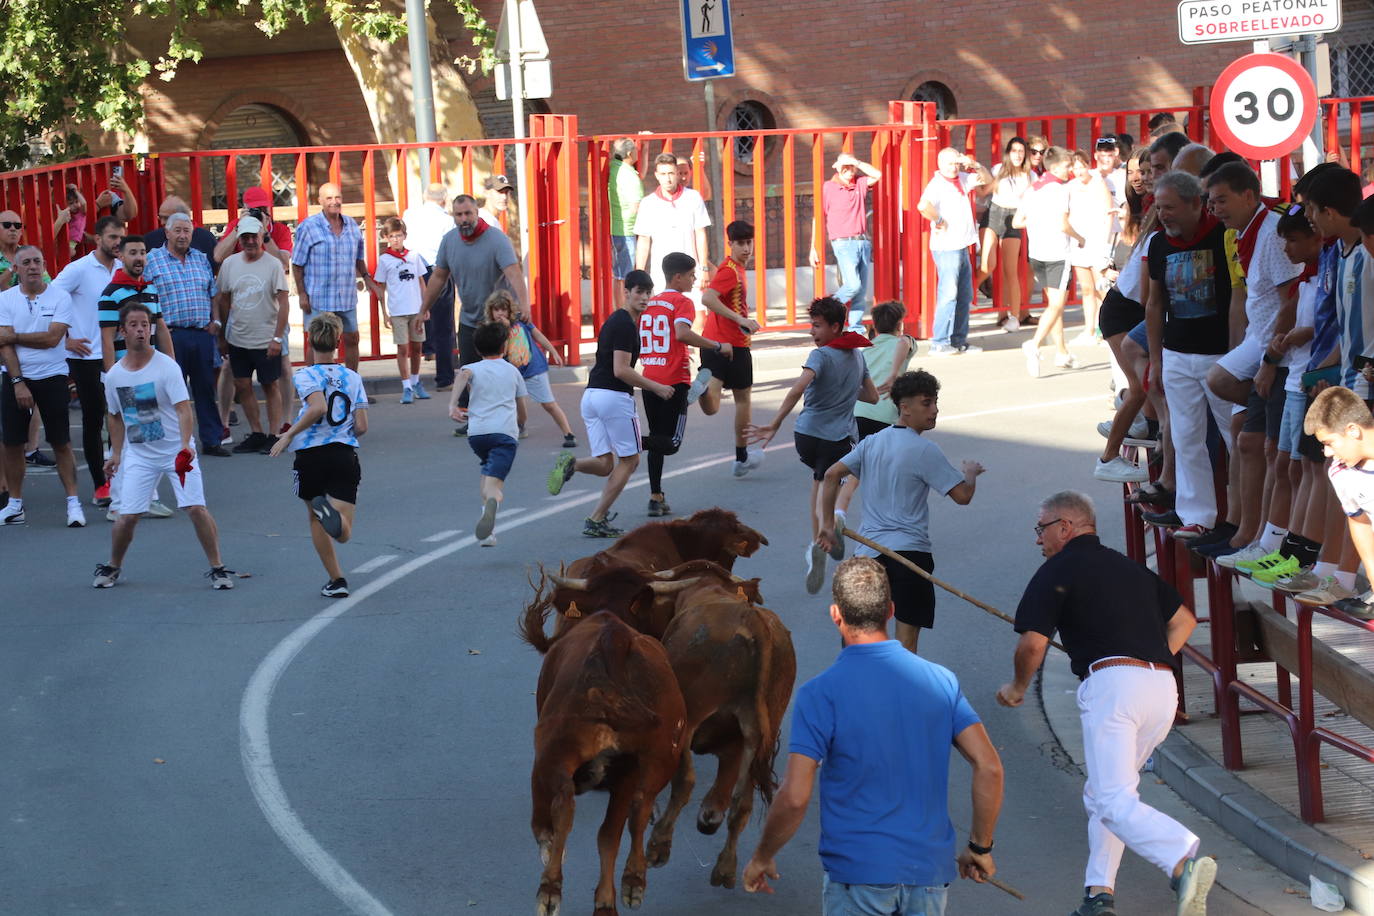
750 115
937 92
252 127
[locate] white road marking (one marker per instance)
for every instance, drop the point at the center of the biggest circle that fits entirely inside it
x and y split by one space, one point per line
507 513
441 536
1016 407
255 744
374 563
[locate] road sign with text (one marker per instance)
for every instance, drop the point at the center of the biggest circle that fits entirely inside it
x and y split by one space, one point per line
1203 21
708 47
1263 105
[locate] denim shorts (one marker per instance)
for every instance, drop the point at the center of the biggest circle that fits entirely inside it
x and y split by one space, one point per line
1290 431
349 317
496 451
1141 336
881 899
622 255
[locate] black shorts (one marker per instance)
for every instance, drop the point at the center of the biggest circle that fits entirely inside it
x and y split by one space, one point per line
820 454
243 363
913 597
1118 314
328 470
667 420
868 427
736 372
1265 415
1308 446
50 397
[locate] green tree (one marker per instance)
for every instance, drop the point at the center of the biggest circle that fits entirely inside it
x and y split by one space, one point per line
68 62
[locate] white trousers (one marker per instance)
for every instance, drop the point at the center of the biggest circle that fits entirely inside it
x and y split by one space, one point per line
1189 400
1126 712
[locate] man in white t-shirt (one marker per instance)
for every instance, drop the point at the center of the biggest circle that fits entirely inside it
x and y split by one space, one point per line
84 280
673 218
151 421
34 318
1044 214
253 294
947 202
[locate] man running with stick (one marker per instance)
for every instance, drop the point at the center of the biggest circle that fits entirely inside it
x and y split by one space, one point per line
897 469
1122 626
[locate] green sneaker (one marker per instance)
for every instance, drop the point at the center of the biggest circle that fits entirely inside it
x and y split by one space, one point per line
561 473
1301 581
1249 566
601 529
1270 574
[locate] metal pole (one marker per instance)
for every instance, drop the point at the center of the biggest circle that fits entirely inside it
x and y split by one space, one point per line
421 82
517 109
713 175
1309 60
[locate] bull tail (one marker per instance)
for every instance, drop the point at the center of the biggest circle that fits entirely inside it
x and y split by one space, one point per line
536 614
770 702
621 707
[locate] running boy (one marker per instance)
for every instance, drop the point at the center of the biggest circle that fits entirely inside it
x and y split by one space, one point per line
490 416
728 320
402 273
834 377
899 468
608 408
528 350
665 332
147 399
1343 425
326 470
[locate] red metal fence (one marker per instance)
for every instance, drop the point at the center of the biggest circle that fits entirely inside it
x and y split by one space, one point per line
770 177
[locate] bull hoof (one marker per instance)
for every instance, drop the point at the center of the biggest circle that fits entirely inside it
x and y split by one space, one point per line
723 878
548 902
709 821
605 909
658 852
632 893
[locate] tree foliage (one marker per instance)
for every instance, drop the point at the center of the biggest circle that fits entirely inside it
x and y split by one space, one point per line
68 62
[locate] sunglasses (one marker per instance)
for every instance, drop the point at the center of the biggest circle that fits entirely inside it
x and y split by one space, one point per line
8 225
1036 151
1106 143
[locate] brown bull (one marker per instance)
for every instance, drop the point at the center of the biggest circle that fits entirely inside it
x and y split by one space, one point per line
610 717
708 534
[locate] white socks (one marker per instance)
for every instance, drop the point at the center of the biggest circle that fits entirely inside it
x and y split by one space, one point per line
415 379
407 384
1324 568
1272 538
1346 578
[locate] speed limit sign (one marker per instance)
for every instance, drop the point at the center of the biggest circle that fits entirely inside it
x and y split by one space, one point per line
1264 105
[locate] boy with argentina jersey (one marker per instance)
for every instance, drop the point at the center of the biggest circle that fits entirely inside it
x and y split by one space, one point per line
343 393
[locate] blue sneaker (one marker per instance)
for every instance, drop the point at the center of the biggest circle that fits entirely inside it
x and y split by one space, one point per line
420 391
1192 886
407 397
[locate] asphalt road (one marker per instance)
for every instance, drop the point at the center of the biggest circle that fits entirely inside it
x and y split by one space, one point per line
167 749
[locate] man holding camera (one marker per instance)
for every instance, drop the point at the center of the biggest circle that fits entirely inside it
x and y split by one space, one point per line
948 203
276 237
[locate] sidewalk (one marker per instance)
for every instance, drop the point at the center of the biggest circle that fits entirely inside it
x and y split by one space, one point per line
1256 806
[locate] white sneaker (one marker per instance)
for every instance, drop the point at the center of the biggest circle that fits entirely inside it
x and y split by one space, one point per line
1084 339
486 524
970 348
488 541
12 514
942 350
1032 355
815 568
1067 361
1139 428
1247 554
156 509
698 386
75 517
1119 470
1011 325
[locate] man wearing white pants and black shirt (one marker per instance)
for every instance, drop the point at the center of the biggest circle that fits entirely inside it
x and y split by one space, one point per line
151 421
1188 321
1122 626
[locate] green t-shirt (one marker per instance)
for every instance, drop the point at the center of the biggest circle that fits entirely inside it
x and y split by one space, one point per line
626 190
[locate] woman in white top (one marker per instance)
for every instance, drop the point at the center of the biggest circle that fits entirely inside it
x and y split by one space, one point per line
1091 209
1001 242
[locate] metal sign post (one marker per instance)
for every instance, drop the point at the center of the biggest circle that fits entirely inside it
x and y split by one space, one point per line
708 53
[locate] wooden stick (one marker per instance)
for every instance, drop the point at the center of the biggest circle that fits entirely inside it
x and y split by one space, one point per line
1004 888
854 535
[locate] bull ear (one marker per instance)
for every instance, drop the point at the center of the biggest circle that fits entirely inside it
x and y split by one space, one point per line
572 610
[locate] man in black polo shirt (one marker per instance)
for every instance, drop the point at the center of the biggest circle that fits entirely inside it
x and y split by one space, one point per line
1121 625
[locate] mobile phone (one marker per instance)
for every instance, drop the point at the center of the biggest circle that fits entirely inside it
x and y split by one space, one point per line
1330 375
1362 362
117 172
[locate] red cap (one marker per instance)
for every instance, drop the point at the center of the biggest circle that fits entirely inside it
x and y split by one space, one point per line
256 197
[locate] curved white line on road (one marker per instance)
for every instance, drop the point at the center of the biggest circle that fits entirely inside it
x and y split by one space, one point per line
255 745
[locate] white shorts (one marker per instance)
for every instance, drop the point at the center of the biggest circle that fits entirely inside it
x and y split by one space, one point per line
612 422
1244 361
138 477
539 389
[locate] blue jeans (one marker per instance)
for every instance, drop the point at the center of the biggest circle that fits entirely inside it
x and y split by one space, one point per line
854 257
881 899
954 296
439 335
195 351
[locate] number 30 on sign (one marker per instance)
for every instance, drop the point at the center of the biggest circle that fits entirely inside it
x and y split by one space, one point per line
1263 106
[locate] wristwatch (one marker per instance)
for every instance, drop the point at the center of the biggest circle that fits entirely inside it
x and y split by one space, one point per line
979 850
276 340
17 379
1271 360
717 346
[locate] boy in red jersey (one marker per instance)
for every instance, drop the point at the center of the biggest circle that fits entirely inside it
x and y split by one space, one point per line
665 333
728 320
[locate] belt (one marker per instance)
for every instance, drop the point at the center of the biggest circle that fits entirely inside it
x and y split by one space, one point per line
851 238
1125 663
186 327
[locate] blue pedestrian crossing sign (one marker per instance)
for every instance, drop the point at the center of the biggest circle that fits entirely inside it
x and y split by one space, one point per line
708 47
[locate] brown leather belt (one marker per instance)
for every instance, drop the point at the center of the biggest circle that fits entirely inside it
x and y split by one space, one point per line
1125 663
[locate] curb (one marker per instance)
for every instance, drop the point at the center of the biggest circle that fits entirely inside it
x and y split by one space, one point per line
1276 835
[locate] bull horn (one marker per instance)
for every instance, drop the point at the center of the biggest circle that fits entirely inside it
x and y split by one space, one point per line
577 585
572 610
672 588
664 575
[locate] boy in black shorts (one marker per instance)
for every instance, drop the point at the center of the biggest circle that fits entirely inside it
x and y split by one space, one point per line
728 320
834 377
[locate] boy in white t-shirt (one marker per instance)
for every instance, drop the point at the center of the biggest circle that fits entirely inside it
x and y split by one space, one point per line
491 418
402 272
1343 425
150 422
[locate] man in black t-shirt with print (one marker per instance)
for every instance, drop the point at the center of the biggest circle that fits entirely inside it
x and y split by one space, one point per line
608 408
1121 625
1188 320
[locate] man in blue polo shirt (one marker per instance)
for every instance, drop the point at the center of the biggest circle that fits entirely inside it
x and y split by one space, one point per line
887 843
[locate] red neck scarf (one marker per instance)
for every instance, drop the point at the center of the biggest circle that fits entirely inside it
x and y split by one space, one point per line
476 231
1247 237
850 340
399 255
124 279
675 195
1046 179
